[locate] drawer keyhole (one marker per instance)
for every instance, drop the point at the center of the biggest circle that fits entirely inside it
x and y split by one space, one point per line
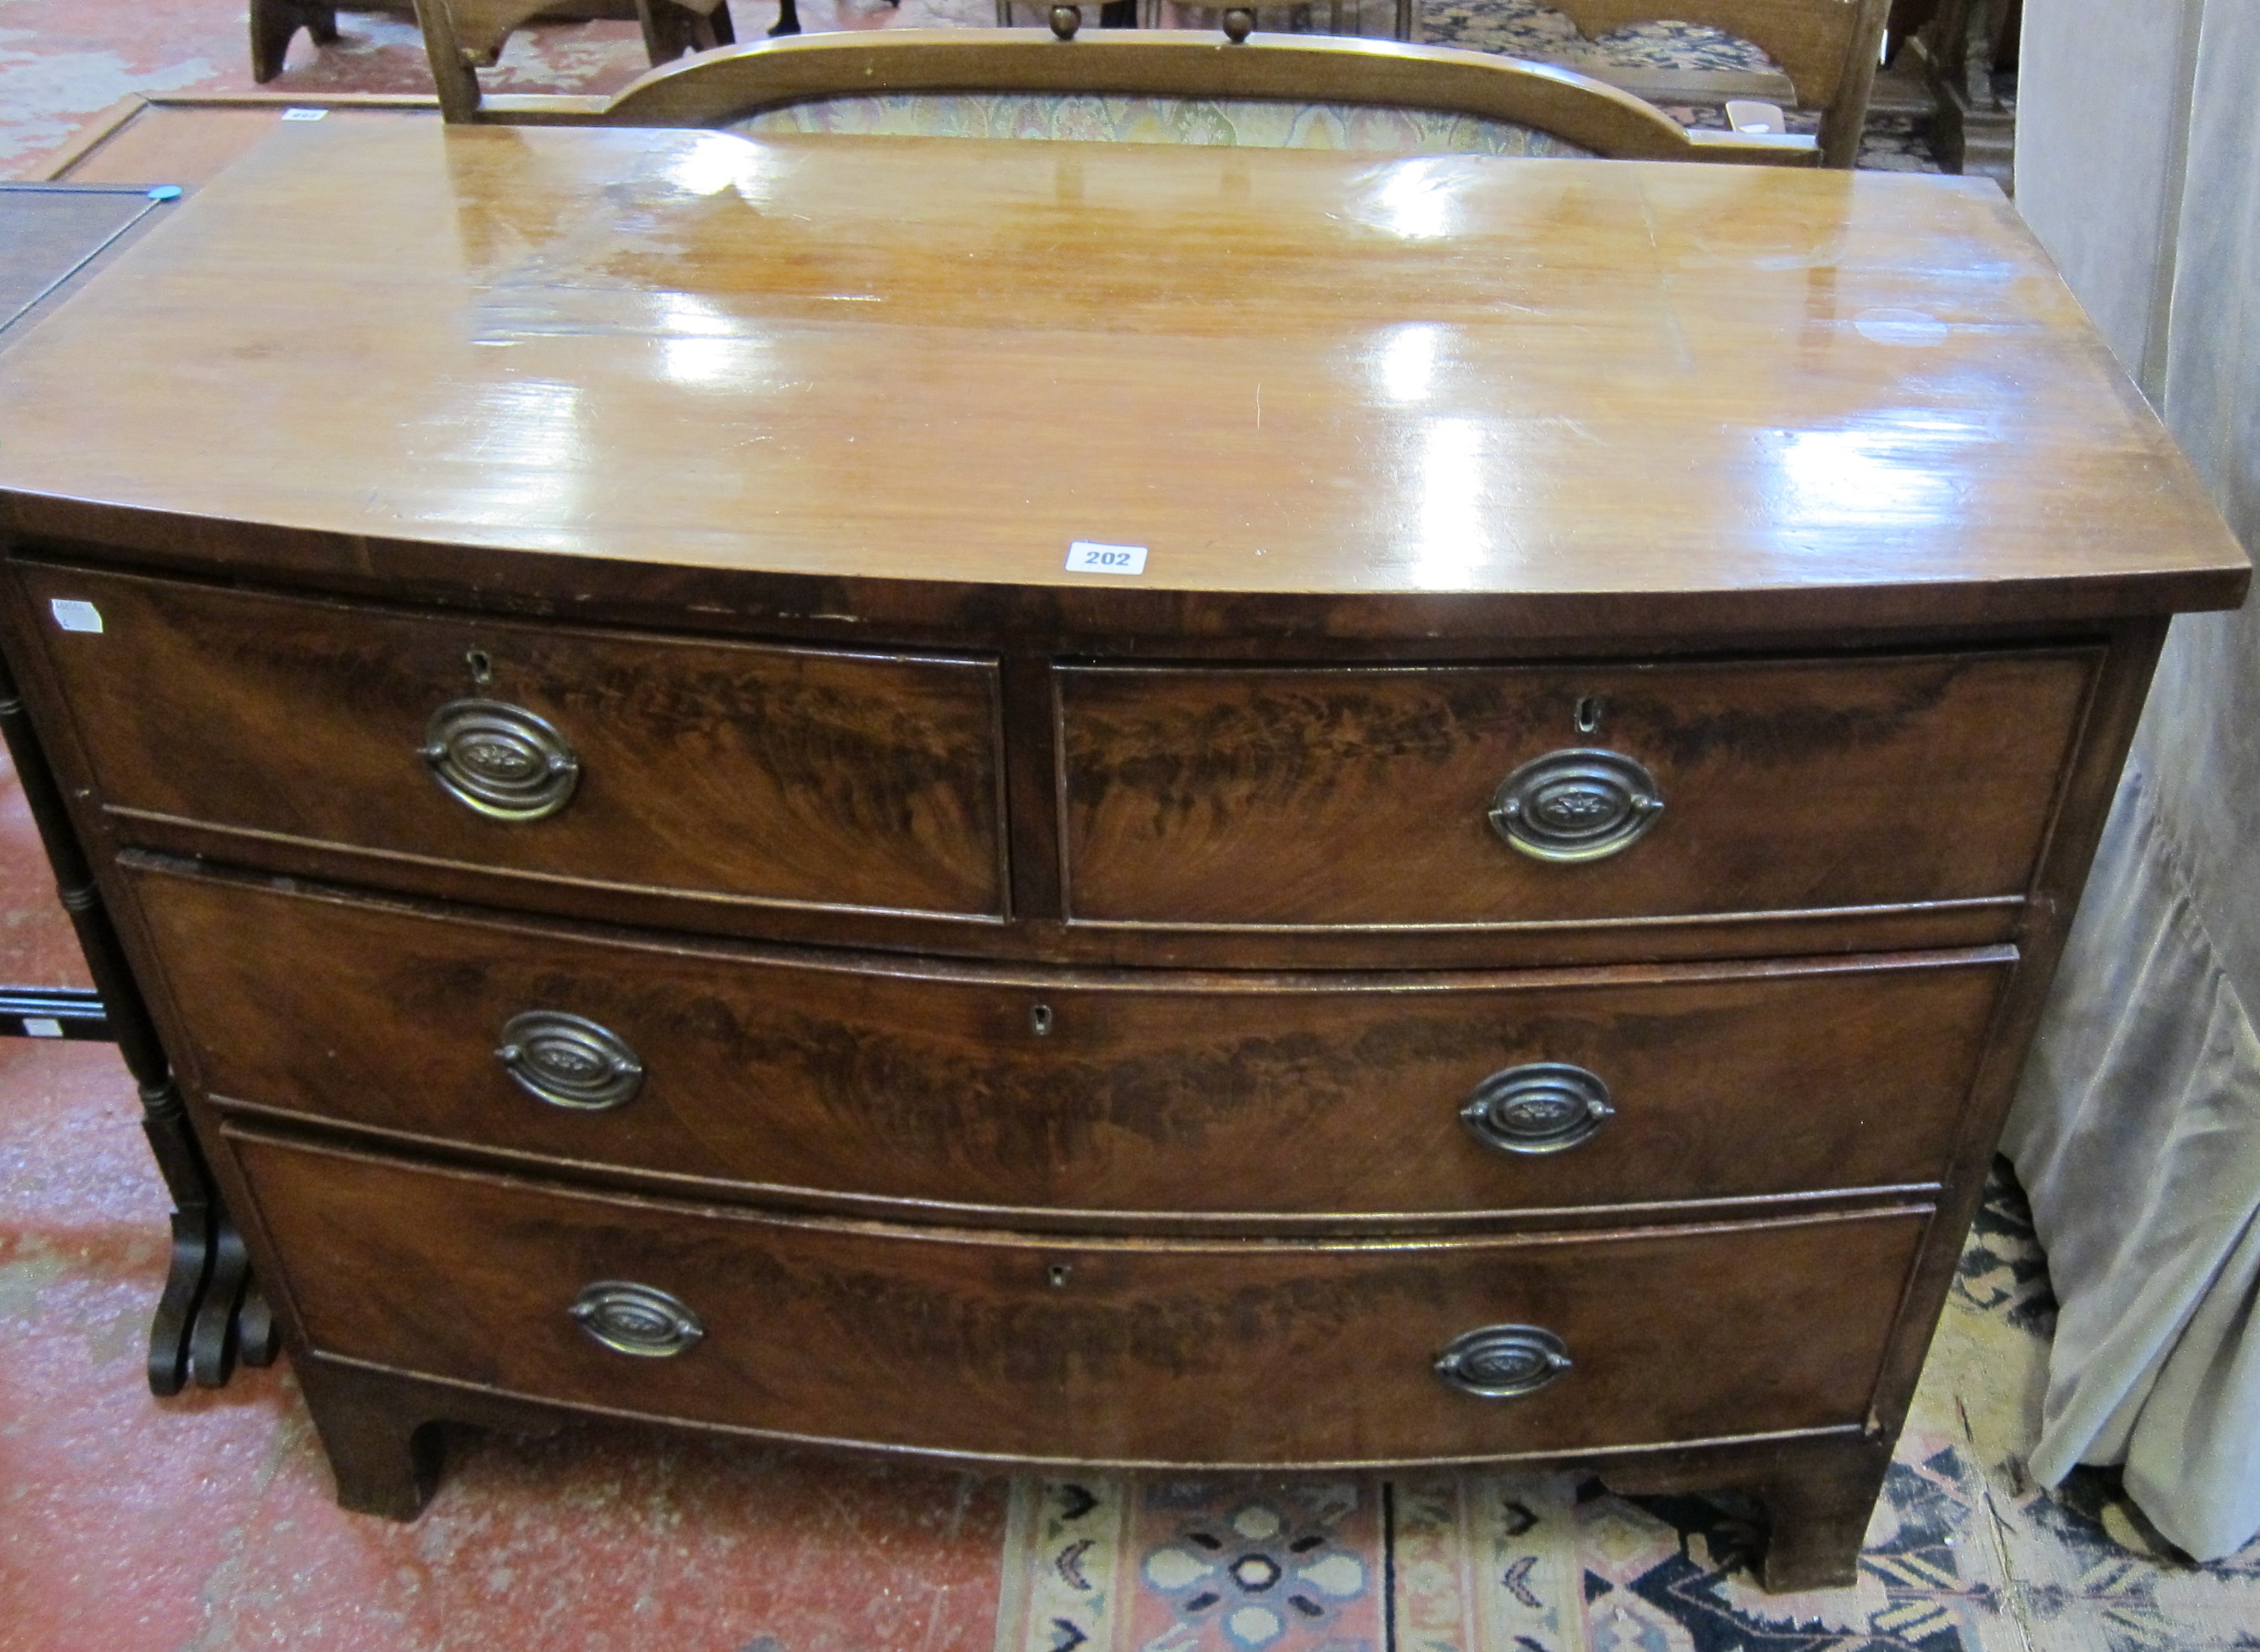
1040 1021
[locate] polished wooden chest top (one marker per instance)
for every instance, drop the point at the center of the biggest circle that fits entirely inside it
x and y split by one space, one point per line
1509 939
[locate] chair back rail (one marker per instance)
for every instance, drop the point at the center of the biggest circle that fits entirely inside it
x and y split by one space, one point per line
717 87
1825 53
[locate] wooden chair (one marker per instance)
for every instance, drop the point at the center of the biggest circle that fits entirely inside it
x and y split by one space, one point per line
1163 85
463 37
1825 52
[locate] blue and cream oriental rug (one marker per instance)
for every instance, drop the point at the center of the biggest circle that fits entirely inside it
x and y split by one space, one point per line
1964 1554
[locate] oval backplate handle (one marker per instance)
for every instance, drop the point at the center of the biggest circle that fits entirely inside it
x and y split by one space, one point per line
636 1319
1580 804
499 760
1503 1362
1540 1107
569 1061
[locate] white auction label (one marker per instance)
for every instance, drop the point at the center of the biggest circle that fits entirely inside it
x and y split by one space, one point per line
303 114
1085 556
42 1027
75 615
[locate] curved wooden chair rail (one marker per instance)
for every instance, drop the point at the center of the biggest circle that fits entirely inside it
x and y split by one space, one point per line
718 88
1825 50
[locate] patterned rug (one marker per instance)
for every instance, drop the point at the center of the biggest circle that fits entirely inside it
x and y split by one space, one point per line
1965 1554
63 62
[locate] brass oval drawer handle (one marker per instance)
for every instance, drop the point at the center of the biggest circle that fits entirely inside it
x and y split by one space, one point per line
569 1062
1503 1362
636 1319
1576 805
500 759
1541 1106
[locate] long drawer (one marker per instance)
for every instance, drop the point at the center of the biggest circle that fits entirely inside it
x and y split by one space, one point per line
1083 1092
1449 796
547 752
1131 1351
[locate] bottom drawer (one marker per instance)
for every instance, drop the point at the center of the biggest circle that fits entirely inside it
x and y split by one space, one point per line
1215 1352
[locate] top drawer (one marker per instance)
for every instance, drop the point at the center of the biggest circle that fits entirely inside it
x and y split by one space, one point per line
1449 796
711 769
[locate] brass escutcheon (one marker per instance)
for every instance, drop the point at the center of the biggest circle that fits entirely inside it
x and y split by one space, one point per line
1580 804
636 1319
1504 1362
500 759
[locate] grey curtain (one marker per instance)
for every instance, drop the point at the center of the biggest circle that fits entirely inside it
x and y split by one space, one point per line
2137 1131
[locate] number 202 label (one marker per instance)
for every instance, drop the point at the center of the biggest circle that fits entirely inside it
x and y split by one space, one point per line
1085 556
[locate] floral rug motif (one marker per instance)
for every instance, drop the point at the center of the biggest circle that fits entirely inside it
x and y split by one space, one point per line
1965 1555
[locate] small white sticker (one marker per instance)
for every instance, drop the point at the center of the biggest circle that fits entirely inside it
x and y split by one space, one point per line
75 615
42 1027
1086 557
303 114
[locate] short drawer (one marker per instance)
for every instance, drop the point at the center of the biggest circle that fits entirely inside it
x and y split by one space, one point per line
1077 1094
647 763
1469 796
1128 1351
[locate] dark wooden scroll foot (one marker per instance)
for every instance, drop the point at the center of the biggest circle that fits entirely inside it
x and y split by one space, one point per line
273 22
212 1342
385 1446
787 18
176 1307
211 1315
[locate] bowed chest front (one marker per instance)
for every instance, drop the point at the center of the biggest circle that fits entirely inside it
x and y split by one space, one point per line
1094 803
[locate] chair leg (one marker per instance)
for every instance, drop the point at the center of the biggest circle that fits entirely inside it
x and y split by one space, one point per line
666 35
788 17
721 29
273 22
452 76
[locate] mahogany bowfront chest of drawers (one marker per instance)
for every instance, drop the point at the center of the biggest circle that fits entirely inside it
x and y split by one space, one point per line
1507 939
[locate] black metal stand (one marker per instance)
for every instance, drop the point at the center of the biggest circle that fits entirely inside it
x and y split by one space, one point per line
210 1314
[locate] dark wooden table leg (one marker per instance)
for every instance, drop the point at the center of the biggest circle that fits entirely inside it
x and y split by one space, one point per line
235 1323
